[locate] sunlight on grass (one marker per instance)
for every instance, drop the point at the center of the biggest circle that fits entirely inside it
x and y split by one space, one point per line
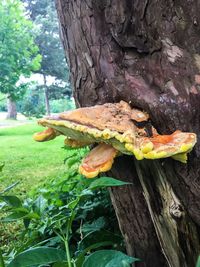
27 161
31 164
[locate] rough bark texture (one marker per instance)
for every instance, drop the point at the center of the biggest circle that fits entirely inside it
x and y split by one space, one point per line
12 110
148 54
133 216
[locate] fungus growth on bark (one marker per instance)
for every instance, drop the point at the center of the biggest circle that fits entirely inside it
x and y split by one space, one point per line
117 129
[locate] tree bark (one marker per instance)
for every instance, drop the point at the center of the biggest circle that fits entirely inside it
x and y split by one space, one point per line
12 110
146 53
46 96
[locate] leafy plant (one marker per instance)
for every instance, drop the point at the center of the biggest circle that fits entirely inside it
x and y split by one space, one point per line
198 262
108 258
58 105
38 256
72 216
32 104
1 166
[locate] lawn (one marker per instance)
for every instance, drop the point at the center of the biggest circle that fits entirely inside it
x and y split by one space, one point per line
31 164
28 162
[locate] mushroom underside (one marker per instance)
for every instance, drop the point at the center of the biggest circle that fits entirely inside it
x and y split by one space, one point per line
120 130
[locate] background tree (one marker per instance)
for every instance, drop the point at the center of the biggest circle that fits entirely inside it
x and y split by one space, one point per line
146 53
18 52
32 104
43 14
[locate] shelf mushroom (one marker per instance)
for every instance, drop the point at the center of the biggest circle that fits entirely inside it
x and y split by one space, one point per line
117 129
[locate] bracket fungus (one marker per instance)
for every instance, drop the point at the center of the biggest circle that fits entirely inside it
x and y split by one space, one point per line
117 129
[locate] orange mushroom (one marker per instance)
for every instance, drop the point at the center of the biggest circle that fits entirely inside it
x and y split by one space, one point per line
117 128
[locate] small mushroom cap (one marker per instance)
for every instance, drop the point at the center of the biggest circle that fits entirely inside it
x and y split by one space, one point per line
100 159
45 135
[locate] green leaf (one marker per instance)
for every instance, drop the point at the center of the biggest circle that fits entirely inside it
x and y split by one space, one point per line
60 264
38 256
94 226
97 237
33 215
95 240
21 209
106 182
198 262
9 188
72 205
1 260
26 222
85 193
1 166
40 204
15 216
80 259
11 201
108 258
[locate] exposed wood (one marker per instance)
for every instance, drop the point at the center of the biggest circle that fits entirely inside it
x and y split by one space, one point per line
134 217
148 54
176 232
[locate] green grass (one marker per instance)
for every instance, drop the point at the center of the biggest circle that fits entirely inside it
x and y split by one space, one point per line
28 162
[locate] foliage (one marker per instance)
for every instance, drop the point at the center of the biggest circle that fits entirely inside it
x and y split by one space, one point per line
108 258
105 182
66 220
1 166
32 104
39 255
198 262
59 105
2 102
57 218
67 214
43 14
18 52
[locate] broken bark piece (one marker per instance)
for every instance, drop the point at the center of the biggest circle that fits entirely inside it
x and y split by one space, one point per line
119 127
100 159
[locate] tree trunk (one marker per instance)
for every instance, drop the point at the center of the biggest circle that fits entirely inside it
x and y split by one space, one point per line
46 96
146 53
12 110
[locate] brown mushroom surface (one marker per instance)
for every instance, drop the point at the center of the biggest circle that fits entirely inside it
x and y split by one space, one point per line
117 127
